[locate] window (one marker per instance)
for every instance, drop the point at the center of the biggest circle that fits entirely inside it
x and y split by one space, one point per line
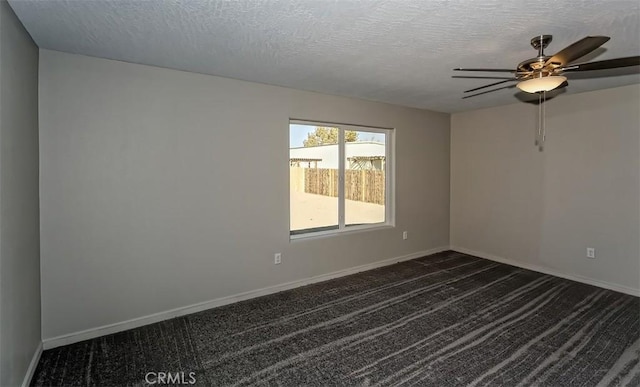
339 178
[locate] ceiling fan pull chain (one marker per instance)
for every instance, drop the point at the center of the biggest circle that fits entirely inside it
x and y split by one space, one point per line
544 120
539 129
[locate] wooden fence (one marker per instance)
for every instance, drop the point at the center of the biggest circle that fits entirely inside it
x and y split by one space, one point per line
360 185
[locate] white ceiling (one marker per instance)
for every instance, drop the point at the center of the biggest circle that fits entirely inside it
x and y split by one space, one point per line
395 51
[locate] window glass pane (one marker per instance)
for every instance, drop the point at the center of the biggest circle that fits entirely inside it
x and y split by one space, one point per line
313 178
364 180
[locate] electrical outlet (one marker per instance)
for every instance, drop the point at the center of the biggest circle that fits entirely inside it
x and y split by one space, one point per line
405 235
277 258
591 252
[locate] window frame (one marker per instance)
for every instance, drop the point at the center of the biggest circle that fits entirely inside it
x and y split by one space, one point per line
389 170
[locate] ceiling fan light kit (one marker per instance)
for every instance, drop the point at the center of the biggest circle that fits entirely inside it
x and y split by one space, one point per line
543 83
545 73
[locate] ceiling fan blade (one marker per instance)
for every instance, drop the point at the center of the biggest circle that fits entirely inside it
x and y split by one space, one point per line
486 70
491 84
478 77
577 50
489 91
604 64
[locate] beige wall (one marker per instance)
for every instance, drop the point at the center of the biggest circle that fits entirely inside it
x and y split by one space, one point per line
545 208
161 188
19 218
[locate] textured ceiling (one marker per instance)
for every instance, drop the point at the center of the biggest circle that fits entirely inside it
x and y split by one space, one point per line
399 51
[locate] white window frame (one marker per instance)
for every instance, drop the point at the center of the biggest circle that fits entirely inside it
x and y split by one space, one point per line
389 171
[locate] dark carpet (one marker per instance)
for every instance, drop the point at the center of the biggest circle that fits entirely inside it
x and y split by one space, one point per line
448 319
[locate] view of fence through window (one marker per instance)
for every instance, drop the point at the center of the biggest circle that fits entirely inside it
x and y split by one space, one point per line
314 154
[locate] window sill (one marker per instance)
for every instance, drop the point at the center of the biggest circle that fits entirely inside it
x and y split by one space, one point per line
345 231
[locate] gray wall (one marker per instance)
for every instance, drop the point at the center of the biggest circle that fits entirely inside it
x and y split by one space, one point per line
161 188
19 217
545 208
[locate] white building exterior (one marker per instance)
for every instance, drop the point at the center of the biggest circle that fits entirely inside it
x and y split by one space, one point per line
326 156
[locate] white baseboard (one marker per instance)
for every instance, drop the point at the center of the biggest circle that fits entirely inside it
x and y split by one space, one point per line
32 366
169 314
546 270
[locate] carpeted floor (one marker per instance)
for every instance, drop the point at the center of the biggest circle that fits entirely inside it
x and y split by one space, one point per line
444 320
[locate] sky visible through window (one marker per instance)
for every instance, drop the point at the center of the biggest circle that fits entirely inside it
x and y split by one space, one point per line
298 133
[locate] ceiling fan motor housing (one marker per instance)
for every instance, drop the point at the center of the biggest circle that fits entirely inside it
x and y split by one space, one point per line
535 67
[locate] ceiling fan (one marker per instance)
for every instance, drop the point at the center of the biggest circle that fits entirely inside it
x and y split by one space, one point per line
545 73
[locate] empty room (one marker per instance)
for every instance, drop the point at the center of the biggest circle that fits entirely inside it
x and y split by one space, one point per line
319 193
